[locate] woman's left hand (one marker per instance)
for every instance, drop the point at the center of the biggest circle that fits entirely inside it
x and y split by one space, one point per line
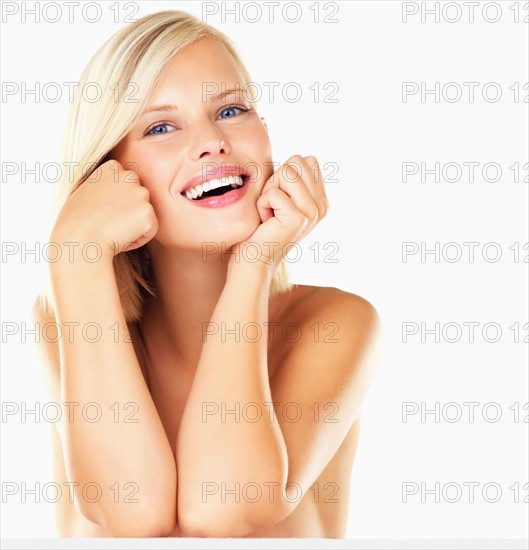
293 201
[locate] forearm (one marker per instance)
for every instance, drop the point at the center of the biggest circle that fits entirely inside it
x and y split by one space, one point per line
231 450
125 445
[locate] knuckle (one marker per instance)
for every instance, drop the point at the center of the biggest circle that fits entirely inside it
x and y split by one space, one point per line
114 167
142 193
131 175
294 161
301 219
148 216
295 172
153 228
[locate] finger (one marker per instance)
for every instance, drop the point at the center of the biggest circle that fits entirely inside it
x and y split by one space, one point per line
293 184
310 173
271 183
315 183
263 208
129 176
281 204
138 243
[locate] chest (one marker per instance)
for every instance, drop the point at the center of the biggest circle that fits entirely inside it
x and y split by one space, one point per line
170 385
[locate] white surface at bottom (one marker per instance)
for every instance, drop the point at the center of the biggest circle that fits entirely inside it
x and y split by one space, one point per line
358 544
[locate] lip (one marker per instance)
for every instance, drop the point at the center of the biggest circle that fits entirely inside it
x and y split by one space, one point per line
213 172
219 201
217 171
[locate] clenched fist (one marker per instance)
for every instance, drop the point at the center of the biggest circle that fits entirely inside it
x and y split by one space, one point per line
111 208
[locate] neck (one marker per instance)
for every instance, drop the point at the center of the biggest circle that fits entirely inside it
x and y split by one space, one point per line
187 291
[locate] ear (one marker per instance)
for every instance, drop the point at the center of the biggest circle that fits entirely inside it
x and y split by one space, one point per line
264 122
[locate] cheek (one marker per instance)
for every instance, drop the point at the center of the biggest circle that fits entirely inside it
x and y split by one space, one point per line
260 138
266 159
166 207
155 172
258 149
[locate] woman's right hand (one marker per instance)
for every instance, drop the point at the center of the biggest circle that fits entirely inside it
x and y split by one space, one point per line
111 209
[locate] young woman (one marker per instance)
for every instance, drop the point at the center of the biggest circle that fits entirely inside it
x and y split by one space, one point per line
204 395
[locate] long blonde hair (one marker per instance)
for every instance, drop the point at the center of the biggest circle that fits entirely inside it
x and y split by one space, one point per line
128 65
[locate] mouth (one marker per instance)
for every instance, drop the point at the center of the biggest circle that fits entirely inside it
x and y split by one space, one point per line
225 186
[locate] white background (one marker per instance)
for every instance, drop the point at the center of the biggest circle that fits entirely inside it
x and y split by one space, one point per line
368 133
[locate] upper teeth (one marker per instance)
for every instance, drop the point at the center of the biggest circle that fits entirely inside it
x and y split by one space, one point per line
198 190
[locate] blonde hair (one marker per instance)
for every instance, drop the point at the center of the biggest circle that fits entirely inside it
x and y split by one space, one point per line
136 54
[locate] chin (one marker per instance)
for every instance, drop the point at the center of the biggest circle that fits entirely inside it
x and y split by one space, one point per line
216 237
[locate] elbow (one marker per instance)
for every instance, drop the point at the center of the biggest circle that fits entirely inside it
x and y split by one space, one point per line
195 527
149 530
232 513
232 523
127 520
142 514
146 528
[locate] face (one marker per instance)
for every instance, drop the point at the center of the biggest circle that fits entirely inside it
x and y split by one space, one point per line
169 147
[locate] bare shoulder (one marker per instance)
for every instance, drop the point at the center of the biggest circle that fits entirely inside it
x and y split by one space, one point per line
307 303
330 357
322 324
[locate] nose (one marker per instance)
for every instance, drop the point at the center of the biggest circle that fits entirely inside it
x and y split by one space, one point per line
208 141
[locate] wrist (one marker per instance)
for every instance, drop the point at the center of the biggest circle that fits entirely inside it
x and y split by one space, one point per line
255 256
77 250
79 271
245 272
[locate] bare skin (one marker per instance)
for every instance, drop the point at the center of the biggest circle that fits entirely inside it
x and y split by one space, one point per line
321 513
174 455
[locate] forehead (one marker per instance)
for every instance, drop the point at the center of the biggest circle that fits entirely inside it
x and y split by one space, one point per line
203 61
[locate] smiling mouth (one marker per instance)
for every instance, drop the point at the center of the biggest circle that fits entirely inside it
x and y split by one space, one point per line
215 187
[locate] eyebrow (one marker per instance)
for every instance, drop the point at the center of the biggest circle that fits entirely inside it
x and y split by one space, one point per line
170 107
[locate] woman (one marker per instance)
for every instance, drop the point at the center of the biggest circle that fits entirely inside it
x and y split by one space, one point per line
212 419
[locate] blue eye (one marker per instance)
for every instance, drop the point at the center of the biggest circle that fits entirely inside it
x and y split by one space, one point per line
233 108
160 128
152 130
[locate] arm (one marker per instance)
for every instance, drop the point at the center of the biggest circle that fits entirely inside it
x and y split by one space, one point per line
230 452
282 457
270 453
106 372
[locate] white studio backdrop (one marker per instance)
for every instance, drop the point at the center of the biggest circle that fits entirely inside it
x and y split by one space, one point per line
419 113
